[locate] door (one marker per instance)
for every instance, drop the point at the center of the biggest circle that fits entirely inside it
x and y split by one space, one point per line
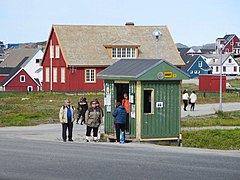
29 88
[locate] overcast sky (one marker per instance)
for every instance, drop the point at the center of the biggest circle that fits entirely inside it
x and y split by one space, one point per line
191 22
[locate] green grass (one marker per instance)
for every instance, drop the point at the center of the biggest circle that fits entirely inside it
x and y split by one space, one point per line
212 139
204 98
218 119
39 108
235 83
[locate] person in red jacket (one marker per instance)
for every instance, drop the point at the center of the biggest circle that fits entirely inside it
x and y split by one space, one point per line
126 105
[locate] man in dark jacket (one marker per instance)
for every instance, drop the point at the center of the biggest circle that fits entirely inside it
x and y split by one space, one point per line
82 108
120 115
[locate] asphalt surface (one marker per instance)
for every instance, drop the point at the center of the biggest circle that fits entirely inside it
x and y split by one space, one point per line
204 109
29 153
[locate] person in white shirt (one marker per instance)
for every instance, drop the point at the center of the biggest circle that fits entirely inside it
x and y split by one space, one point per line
193 99
185 97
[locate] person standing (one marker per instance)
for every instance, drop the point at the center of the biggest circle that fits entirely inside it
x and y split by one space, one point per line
120 115
193 99
82 108
185 97
126 105
67 117
92 117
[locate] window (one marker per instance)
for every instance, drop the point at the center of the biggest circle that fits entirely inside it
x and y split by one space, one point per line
123 53
235 69
55 75
214 60
62 75
51 51
57 52
230 60
224 68
191 72
148 101
47 74
22 78
196 71
29 88
200 64
38 61
90 75
114 53
216 68
227 50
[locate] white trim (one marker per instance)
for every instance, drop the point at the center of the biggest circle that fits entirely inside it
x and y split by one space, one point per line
57 52
29 87
16 75
63 75
95 75
55 74
24 78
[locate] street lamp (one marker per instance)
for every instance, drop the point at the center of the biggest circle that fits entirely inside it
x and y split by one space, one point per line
220 46
156 35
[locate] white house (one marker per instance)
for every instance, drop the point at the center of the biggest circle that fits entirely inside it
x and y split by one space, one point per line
229 65
27 58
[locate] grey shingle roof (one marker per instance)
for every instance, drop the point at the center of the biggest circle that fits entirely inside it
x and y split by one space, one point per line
83 45
12 73
16 56
129 67
189 60
5 70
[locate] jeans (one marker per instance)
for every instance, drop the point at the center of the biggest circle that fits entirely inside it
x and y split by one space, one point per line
89 129
118 128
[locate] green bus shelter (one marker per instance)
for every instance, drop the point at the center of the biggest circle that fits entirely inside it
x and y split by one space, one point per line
154 88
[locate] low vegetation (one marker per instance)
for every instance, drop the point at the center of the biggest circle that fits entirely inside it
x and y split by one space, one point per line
212 139
218 119
22 109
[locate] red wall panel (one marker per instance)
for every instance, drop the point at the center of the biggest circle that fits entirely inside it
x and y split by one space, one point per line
75 78
16 85
211 83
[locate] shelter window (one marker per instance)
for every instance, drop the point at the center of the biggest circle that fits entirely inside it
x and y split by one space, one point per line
148 101
22 78
90 75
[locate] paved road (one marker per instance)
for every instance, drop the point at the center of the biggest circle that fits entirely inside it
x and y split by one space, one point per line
35 159
37 153
204 109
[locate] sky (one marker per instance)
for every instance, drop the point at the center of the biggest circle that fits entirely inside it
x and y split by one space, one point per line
191 22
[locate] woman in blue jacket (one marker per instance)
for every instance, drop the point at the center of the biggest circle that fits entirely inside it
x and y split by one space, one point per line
120 115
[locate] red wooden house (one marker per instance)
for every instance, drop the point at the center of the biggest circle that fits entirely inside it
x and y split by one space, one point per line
231 44
76 53
19 80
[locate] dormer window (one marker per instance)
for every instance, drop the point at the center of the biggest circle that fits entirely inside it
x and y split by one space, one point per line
118 53
122 49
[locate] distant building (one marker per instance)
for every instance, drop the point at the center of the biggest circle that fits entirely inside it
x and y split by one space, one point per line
25 62
231 44
229 65
1 55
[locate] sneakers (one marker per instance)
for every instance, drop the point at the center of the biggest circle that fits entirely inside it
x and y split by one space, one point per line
87 140
70 140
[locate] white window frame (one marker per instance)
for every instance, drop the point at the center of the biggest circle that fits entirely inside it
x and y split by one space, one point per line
24 78
92 74
29 88
55 75
217 68
57 52
191 72
51 51
47 74
63 75
199 63
127 53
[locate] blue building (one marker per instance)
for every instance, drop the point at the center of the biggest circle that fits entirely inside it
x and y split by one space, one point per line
195 65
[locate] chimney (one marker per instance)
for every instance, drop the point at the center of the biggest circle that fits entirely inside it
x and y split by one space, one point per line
129 24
